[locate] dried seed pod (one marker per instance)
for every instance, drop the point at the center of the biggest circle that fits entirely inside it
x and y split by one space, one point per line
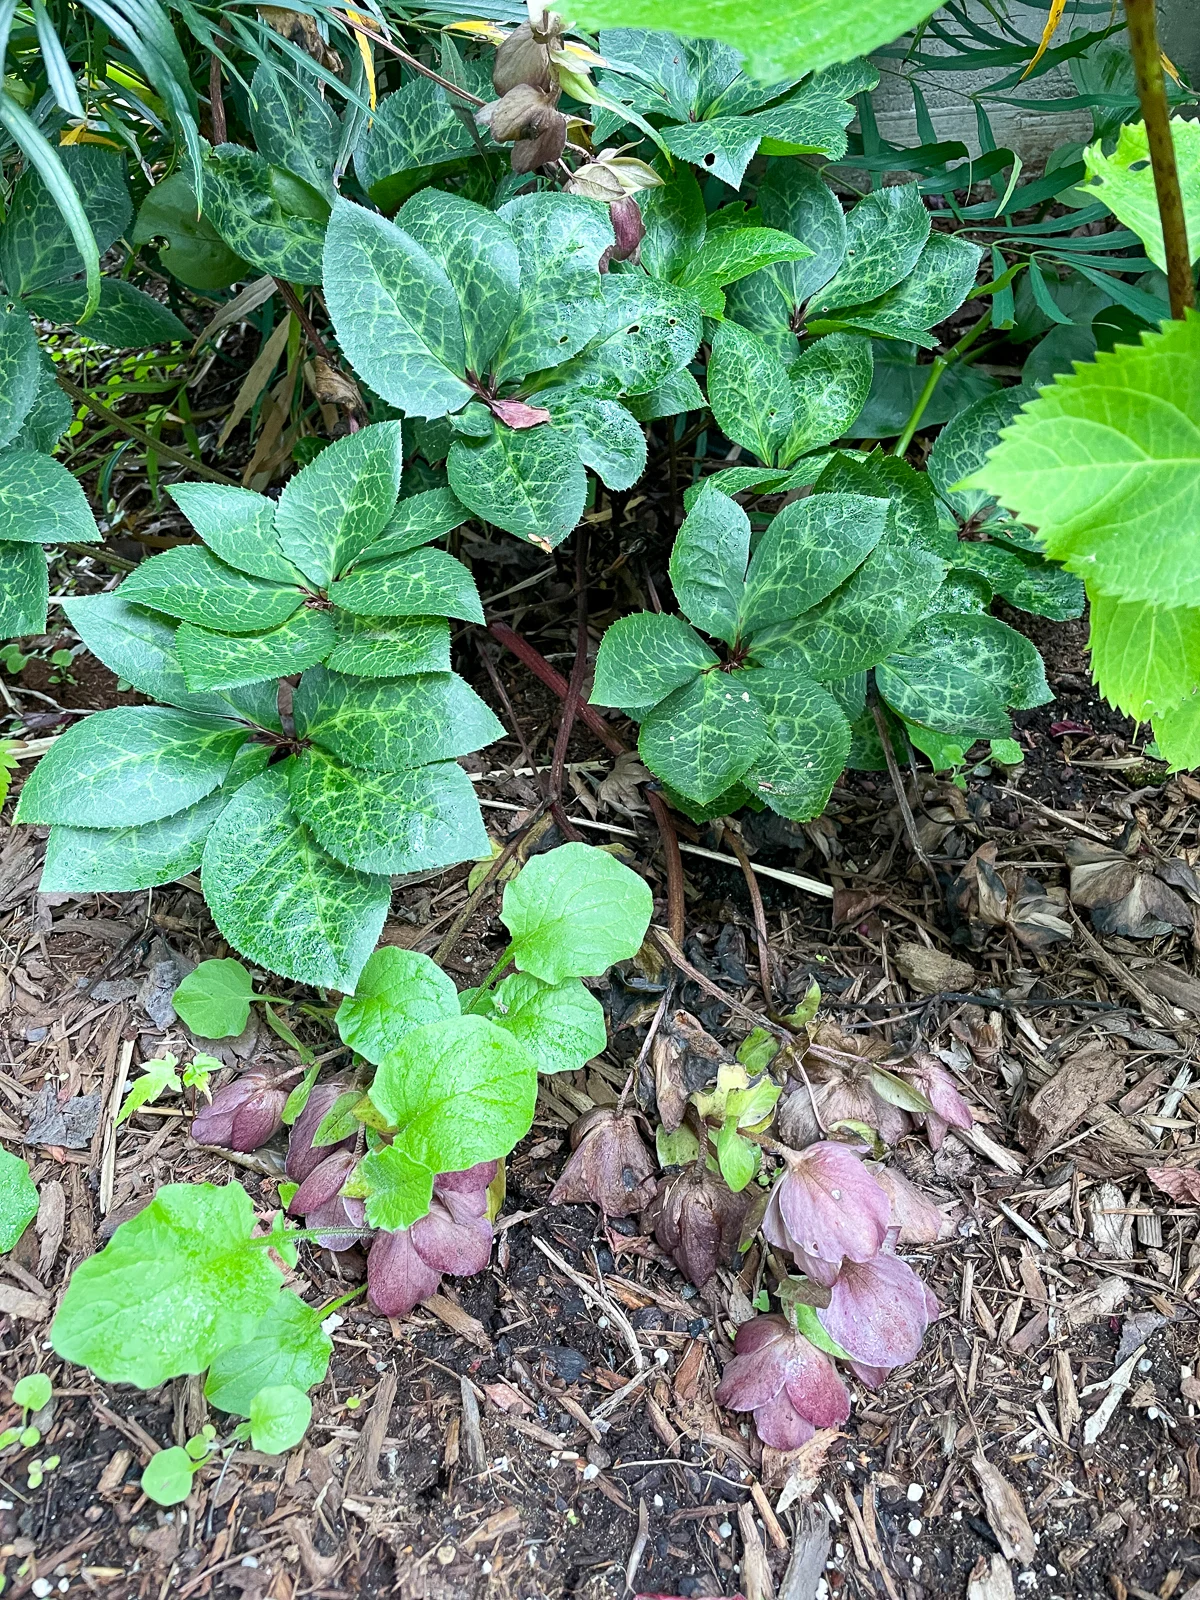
697 1219
526 118
243 1114
610 1166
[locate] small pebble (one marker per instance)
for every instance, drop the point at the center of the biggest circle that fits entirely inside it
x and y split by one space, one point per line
914 1526
1052 1572
445 1555
658 1502
915 1492
724 1529
1145 1364
41 1587
590 1471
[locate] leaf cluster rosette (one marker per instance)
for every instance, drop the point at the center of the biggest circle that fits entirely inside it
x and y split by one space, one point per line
295 822
695 98
502 323
856 577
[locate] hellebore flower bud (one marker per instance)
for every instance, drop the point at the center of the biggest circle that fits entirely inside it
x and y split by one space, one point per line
878 1311
789 1385
302 1156
628 229
847 1097
913 1217
243 1114
524 57
950 1110
610 1166
320 1202
454 1236
528 117
826 1208
697 1219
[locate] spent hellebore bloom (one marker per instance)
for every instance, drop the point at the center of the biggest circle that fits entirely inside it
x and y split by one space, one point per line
242 1115
697 1220
455 1236
789 1385
321 1203
950 1110
913 1218
302 1154
878 1311
614 179
826 1208
609 1165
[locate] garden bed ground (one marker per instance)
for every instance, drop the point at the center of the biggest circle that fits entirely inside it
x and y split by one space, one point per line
547 1429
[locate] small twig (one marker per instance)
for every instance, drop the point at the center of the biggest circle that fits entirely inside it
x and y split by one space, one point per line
167 451
889 755
108 1159
574 691
216 100
608 1306
651 1031
674 954
296 307
409 61
1152 96
676 909
733 834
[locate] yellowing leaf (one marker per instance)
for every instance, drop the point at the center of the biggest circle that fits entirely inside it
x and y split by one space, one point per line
1057 7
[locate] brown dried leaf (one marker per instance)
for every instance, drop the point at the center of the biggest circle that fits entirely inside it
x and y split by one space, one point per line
1091 1078
990 1579
1005 1513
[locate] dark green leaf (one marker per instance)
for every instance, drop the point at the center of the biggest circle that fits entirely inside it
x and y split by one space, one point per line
650 330
332 509
943 696
189 247
644 657
226 661
704 736
560 239
376 647
605 435
420 583
417 519
41 502
385 726
267 216
751 395
24 589
708 563
675 221
529 482
190 583
808 740
989 649
885 234
912 509
126 319
293 126
935 287
963 445
36 244
239 527
811 547
19 370
831 380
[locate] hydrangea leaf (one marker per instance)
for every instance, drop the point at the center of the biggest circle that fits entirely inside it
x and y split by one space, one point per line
1124 182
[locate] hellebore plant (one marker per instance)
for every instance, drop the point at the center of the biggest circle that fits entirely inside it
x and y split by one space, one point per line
791 1387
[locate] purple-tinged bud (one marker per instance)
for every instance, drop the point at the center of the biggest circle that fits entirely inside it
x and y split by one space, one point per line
628 230
878 1312
609 1166
528 119
789 1385
243 1114
950 1110
697 1219
826 1208
320 1202
397 1277
913 1217
302 1156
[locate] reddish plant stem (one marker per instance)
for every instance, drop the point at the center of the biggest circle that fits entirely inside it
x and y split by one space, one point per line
574 693
296 307
591 718
1152 96
734 838
216 100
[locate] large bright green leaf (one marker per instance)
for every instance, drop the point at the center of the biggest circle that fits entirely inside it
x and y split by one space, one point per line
132 764
396 313
336 506
176 1285
573 911
18 1199
391 822
458 1091
384 726
1106 465
279 1418
1124 182
1146 658
279 899
288 1346
397 991
562 1024
644 657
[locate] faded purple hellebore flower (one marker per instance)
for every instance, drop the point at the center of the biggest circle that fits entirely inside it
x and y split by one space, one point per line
609 1165
789 1385
914 1217
878 1312
950 1110
243 1114
455 1236
302 1156
826 1208
320 1202
697 1220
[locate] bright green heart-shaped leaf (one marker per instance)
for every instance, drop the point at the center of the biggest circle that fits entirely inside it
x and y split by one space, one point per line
129 765
214 999
708 563
175 1285
288 1346
644 657
573 911
18 1199
398 990
386 726
279 1418
167 1479
562 1025
1124 182
32 1392
737 1157
280 899
389 822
